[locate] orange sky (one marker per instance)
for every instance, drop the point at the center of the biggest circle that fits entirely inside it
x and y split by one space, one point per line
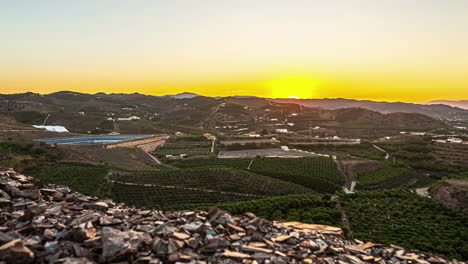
392 50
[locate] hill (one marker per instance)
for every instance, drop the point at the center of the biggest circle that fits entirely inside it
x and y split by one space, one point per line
138 113
438 111
166 188
460 104
87 230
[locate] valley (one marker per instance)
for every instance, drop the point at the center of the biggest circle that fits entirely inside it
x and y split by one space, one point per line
349 167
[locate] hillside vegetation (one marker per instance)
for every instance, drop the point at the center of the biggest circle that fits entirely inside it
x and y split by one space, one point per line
397 217
214 179
403 218
317 173
386 178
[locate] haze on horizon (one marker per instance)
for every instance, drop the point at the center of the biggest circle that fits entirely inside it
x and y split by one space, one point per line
392 50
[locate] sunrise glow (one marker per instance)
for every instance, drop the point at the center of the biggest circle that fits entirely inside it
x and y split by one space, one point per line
309 49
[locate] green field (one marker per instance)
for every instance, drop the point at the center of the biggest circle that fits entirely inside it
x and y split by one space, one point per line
317 173
308 208
397 217
165 188
403 218
191 145
387 216
87 179
166 198
386 178
214 179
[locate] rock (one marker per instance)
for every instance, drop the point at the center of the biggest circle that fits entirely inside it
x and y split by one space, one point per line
194 226
353 259
15 252
234 254
281 238
101 206
71 260
4 202
116 244
181 236
256 249
107 220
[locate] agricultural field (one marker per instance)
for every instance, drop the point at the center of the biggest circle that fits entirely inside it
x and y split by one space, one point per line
308 208
191 145
403 218
397 217
87 179
364 150
317 173
386 178
15 153
212 179
166 198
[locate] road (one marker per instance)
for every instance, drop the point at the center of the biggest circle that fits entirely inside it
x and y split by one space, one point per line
386 153
45 120
213 144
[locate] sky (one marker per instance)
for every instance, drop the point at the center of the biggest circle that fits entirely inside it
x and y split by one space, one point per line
386 50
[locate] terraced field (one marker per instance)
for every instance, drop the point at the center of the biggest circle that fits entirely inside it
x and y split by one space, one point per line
403 218
451 153
167 198
86 179
212 180
386 178
191 145
317 173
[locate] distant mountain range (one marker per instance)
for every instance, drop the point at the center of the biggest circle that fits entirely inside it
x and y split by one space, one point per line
460 104
184 95
438 111
73 101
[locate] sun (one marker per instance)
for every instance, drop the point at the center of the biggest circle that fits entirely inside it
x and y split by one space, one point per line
300 87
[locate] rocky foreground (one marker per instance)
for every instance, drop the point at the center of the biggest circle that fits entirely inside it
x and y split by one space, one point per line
44 223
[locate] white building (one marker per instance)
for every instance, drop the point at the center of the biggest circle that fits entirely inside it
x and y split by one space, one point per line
454 140
128 118
281 130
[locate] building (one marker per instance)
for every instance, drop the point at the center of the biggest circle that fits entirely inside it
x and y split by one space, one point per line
281 130
128 118
209 136
454 140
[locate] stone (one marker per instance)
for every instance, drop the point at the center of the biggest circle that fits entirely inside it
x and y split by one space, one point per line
281 238
15 252
193 226
234 254
101 206
107 220
180 235
256 249
116 244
